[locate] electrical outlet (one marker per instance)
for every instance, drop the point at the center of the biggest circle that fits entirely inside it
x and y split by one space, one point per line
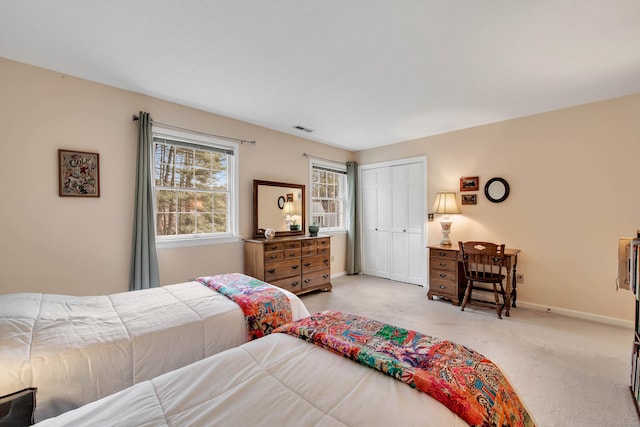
430 217
519 278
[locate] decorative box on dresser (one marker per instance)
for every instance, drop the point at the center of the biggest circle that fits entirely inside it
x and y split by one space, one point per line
446 278
298 264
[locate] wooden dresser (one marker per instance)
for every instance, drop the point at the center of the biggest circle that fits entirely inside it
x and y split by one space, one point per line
446 277
298 264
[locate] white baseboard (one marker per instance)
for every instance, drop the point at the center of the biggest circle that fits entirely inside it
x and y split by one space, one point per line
578 314
342 273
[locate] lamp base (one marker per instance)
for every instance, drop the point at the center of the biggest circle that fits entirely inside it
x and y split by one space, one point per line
446 230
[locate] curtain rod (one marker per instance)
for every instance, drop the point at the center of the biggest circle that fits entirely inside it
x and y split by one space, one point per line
309 156
241 141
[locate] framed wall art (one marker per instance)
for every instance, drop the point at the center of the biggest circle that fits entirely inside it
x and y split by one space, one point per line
469 199
469 183
78 173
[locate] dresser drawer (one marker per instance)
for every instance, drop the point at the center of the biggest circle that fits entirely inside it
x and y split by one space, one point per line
311 243
273 256
309 251
291 253
281 269
316 279
324 250
293 284
291 245
323 242
313 263
272 247
443 264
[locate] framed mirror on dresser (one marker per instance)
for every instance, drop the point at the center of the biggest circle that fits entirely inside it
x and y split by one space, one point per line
279 206
290 260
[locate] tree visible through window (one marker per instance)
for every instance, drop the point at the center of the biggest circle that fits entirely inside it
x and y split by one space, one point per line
193 188
328 196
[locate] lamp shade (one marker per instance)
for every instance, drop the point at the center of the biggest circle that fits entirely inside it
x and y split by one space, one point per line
446 203
289 208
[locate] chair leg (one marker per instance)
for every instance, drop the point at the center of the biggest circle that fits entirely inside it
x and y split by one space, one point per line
506 300
497 298
467 295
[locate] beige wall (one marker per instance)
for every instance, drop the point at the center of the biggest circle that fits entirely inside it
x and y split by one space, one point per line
82 246
573 175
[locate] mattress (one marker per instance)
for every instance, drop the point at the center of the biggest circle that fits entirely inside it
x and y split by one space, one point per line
79 349
278 380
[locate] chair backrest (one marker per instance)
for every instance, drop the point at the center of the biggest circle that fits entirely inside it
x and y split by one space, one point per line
482 261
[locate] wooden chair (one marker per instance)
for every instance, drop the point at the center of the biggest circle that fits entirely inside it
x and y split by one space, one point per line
484 263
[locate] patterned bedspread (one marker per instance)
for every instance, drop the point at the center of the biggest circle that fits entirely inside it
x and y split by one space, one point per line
463 380
264 306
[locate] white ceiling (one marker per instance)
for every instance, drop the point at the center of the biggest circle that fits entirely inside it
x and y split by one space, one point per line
360 73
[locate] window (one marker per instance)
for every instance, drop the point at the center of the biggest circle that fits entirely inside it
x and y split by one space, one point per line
328 195
195 182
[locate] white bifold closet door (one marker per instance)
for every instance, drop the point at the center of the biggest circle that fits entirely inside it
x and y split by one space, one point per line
393 222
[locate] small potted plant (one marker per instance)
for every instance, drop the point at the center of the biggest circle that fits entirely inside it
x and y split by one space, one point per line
294 226
313 229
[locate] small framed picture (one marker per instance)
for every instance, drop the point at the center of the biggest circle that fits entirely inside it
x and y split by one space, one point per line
78 173
469 183
469 199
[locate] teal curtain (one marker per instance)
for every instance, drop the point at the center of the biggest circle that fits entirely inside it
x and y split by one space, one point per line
144 259
353 235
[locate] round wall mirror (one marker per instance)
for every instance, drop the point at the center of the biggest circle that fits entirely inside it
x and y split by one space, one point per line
496 190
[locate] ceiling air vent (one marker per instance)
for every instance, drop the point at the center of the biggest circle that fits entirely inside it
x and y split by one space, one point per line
303 128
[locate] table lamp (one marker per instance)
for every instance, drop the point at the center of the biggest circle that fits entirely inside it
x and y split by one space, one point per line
446 204
289 210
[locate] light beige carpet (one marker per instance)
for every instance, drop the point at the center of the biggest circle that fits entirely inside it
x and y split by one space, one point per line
569 372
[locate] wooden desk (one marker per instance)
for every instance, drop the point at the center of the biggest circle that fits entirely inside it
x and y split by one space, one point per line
446 274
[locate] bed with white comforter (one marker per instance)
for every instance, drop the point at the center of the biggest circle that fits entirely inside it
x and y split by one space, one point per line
327 369
278 380
79 349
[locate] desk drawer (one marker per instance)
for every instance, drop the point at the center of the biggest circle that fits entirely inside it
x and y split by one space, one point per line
443 287
442 254
443 264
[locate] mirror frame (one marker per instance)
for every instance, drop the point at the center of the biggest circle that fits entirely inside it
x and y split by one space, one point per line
257 233
496 182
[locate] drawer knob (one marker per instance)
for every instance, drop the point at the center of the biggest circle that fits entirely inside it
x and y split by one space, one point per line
274 257
326 261
443 287
325 276
442 253
295 283
271 270
442 275
307 264
307 280
294 266
442 264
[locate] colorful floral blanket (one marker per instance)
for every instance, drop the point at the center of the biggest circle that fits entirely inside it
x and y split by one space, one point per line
264 306
463 380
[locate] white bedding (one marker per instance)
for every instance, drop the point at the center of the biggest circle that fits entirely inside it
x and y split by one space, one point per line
78 349
278 380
